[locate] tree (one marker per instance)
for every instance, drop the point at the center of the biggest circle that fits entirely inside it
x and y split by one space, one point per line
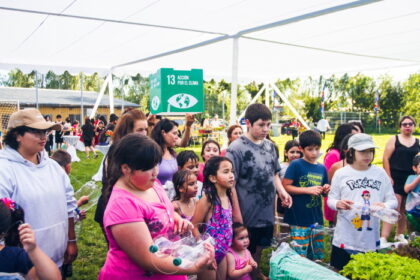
391 102
18 79
253 88
52 80
138 91
412 96
67 81
92 82
361 90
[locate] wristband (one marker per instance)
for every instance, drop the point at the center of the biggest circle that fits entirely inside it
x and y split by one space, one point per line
71 240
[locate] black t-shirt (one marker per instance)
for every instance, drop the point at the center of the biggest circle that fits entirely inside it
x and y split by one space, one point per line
88 131
14 260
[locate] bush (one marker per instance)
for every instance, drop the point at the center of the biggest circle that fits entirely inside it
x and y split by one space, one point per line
265 260
381 267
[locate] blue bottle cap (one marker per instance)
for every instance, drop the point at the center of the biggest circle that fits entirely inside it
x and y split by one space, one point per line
177 261
153 248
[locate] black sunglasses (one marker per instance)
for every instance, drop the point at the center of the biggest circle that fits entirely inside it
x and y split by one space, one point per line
40 132
407 124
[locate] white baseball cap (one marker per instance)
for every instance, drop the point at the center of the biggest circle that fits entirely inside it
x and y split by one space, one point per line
361 142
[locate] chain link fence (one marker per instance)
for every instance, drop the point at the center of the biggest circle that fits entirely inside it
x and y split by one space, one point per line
368 119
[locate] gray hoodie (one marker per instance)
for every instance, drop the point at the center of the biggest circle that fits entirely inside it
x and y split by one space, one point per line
44 192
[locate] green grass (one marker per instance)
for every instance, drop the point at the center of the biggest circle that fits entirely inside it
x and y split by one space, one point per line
91 242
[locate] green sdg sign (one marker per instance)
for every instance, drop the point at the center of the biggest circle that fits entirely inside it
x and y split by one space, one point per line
176 92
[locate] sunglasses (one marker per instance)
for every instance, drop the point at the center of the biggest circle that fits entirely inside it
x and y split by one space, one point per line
38 132
407 124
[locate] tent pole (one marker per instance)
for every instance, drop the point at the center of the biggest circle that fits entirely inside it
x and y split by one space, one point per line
98 99
111 95
288 104
234 87
267 97
36 90
81 99
253 101
122 94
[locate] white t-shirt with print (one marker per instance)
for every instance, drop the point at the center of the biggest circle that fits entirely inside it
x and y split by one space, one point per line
357 229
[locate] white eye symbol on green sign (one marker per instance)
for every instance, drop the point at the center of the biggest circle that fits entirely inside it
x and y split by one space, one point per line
155 103
182 101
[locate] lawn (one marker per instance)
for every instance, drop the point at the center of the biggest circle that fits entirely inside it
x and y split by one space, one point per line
91 242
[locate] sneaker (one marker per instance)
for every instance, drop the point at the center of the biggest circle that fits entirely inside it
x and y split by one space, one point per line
401 238
384 243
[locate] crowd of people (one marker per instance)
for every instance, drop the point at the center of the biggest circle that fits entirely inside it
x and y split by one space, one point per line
234 195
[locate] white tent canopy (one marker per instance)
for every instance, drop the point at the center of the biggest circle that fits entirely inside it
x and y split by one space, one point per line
322 37
236 39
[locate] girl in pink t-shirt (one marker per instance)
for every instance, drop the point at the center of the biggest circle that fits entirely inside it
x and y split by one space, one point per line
239 260
137 211
209 149
332 156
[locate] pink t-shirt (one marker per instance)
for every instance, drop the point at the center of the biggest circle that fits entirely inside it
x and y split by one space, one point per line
124 207
200 176
331 157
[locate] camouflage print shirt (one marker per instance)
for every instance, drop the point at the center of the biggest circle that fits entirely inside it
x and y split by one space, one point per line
255 166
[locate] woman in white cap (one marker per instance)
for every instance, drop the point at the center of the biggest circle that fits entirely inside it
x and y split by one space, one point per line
36 182
356 189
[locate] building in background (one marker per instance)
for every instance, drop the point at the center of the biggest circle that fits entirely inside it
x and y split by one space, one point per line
52 102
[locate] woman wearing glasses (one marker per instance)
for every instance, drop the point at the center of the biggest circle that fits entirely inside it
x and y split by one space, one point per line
398 157
39 184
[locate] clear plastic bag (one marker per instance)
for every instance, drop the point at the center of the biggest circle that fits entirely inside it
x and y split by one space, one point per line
388 215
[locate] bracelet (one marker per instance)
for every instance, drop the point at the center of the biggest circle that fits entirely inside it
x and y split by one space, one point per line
71 240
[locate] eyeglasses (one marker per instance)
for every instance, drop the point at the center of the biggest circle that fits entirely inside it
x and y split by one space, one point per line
38 132
407 124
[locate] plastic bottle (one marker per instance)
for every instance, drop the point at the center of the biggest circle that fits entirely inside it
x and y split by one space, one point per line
162 247
185 256
388 215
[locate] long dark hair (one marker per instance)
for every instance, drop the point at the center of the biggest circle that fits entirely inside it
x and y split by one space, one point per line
340 133
344 146
179 179
10 219
137 151
211 168
166 125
